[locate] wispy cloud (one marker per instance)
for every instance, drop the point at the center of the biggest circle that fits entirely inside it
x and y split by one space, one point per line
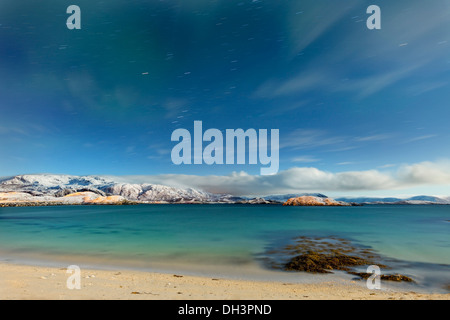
308 138
158 151
174 106
305 159
426 87
12 130
375 137
31 129
385 60
130 150
367 86
385 166
424 137
302 83
309 26
336 81
346 163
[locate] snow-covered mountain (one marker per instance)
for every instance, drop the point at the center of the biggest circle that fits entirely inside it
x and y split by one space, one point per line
63 185
412 200
53 185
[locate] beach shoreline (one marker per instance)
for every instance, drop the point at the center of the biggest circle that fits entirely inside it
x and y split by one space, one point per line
28 282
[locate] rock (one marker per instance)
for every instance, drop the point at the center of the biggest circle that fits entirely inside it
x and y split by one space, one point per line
388 277
258 201
66 191
323 263
314 201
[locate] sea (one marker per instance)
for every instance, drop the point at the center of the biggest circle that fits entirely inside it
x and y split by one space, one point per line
224 240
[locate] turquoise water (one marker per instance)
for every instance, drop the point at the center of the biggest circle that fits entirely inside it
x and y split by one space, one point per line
220 235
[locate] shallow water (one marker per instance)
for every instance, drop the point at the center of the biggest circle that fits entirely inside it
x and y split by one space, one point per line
225 239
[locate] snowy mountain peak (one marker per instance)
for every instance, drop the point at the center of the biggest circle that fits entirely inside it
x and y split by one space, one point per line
52 180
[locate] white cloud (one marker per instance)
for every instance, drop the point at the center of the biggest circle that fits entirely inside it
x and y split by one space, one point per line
425 173
309 179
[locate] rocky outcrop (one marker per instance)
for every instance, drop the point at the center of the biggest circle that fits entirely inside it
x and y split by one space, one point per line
67 191
324 263
91 198
314 201
258 201
17 199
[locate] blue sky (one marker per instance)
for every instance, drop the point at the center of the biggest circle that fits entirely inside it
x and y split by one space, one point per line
105 99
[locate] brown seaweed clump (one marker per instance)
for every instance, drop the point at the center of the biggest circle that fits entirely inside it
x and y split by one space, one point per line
323 255
388 277
323 263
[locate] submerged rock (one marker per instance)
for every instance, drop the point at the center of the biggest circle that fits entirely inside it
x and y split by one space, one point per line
324 263
388 277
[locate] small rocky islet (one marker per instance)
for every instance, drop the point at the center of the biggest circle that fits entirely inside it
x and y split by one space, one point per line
315 201
325 254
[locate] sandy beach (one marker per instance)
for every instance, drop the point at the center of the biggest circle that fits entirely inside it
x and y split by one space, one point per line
19 282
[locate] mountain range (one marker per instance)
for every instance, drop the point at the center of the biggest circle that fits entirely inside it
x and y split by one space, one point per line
89 189
59 186
411 200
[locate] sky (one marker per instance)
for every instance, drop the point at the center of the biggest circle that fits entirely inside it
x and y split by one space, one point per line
359 111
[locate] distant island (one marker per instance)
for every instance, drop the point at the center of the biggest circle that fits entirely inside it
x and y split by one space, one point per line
314 201
51 189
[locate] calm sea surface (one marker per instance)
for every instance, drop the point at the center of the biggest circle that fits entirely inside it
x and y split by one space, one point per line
222 237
